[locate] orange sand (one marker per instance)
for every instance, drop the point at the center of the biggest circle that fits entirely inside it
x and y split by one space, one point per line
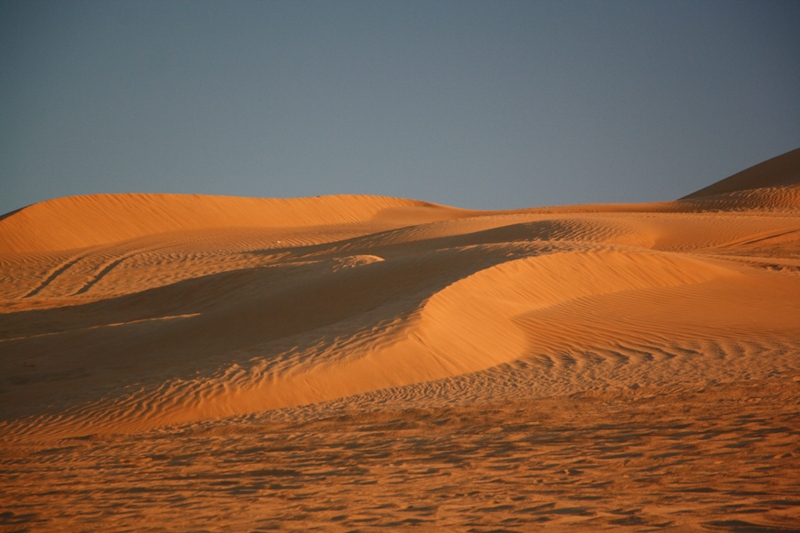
366 363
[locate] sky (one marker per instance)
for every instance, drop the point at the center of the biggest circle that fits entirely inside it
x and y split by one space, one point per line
491 104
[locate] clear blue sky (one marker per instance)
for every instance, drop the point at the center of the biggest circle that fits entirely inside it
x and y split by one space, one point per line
477 104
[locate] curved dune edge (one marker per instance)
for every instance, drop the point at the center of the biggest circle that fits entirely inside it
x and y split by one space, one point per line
83 221
470 326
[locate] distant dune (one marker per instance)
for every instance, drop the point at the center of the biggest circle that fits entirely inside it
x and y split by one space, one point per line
776 172
81 221
124 314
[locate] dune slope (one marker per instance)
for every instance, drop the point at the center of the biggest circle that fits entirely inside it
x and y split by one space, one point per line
776 172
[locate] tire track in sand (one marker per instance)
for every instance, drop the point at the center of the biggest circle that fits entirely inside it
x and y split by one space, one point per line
103 273
53 275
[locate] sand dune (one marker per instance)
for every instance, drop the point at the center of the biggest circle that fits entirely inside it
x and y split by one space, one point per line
135 326
81 221
783 170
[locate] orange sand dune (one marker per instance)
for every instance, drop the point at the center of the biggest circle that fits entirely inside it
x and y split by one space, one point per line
165 326
81 221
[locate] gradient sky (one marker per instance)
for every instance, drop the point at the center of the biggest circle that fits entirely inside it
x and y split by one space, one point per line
475 104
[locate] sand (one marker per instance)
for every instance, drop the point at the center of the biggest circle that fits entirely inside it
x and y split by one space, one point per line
177 363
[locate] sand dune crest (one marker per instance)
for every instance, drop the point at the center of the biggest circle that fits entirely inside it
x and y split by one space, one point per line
81 221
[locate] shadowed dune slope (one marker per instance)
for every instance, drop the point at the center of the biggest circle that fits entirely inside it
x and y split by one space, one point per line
776 172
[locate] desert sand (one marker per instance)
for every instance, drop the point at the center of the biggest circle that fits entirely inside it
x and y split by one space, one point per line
355 363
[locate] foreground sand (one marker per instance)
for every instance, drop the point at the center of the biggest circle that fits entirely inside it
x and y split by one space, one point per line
175 363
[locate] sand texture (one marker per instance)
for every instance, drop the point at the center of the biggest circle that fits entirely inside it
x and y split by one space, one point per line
353 363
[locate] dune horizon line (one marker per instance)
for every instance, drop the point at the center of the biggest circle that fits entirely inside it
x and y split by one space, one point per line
96 219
